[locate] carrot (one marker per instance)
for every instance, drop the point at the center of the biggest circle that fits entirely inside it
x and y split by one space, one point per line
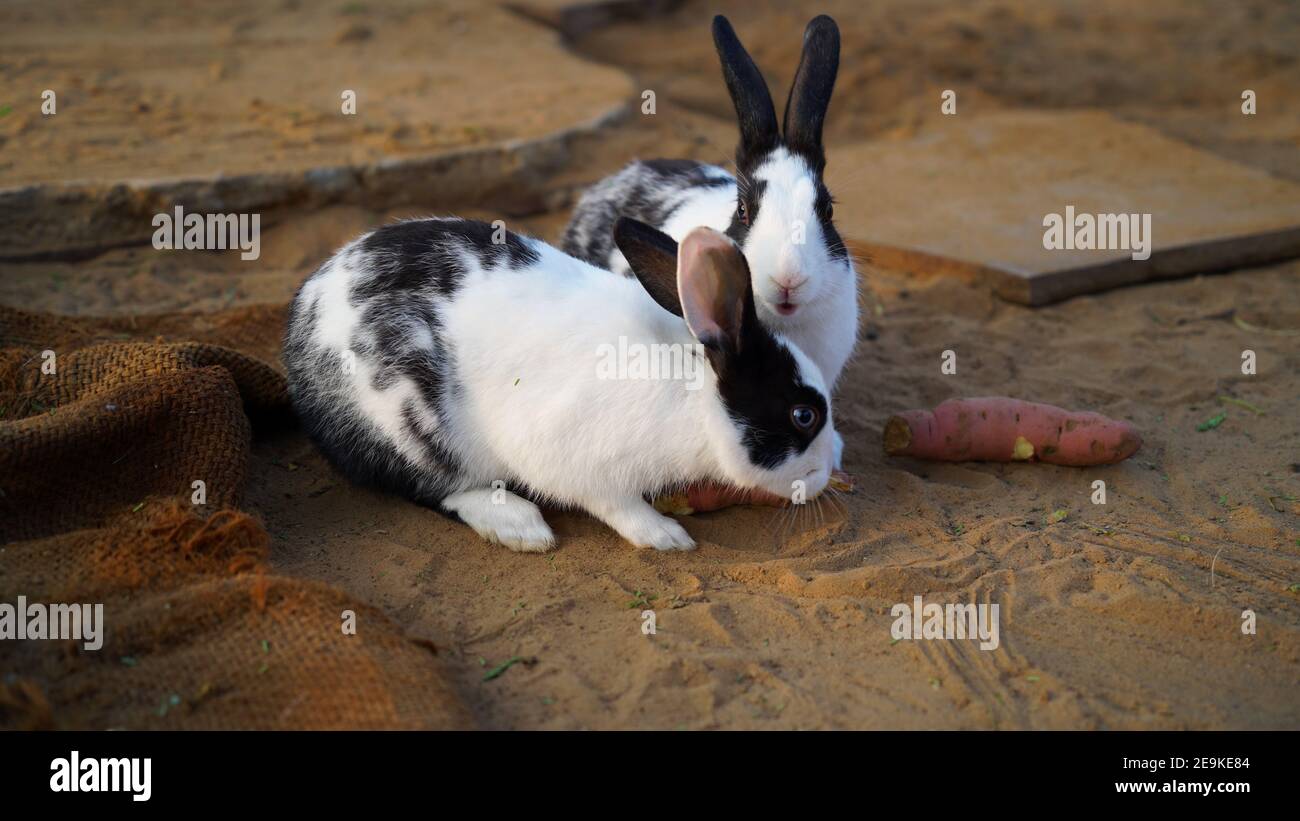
1000 429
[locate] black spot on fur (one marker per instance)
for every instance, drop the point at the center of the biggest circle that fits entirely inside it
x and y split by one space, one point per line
420 254
350 441
686 173
385 337
834 242
760 385
434 451
649 191
750 194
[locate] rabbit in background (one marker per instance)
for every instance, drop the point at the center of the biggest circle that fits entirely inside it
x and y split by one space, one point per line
776 206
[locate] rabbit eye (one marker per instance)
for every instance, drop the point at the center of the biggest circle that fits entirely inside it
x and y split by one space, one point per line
803 417
742 212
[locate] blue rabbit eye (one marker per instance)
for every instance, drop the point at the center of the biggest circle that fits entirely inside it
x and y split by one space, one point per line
804 417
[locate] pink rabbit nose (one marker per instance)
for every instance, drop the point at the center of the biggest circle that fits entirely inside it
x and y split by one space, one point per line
789 283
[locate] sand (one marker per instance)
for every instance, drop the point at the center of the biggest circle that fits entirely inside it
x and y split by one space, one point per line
1125 615
161 90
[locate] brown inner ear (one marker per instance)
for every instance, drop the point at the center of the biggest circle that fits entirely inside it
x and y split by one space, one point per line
713 281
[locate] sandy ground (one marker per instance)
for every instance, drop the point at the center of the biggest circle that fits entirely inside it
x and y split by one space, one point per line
1111 617
172 89
1125 615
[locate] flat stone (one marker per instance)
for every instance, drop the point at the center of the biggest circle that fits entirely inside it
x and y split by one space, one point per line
577 17
241 108
969 199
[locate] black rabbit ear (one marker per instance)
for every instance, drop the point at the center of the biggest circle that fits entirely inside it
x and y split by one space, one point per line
754 109
652 255
810 94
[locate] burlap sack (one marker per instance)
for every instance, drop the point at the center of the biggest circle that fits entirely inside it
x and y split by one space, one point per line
99 456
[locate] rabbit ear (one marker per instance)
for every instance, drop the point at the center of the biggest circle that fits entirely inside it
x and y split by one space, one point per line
652 256
717 298
749 94
810 94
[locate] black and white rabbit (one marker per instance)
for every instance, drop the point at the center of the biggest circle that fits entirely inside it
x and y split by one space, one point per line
471 376
776 207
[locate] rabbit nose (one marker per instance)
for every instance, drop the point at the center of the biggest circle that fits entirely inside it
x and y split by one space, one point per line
789 283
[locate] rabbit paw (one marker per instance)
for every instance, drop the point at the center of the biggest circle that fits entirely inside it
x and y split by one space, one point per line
641 525
501 517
